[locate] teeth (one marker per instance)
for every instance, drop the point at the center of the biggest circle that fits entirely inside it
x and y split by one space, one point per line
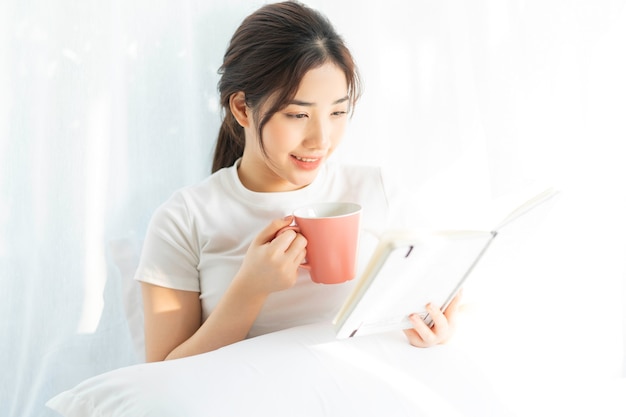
304 159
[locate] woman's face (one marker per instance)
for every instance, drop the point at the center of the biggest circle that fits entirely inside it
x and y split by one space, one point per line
299 138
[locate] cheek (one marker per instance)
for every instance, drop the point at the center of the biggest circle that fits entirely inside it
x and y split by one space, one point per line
279 136
338 132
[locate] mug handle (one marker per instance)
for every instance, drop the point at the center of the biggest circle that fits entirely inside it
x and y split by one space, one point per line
304 265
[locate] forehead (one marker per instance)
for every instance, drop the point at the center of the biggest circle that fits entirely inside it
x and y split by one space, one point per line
322 85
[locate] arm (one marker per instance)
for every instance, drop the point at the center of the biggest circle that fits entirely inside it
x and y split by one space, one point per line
173 318
170 317
173 324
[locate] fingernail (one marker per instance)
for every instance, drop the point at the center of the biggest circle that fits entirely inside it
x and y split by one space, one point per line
288 217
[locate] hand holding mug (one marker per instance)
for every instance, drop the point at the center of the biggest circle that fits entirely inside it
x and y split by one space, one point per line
332 234
271 262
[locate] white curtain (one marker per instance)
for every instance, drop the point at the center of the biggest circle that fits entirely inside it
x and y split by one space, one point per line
107 107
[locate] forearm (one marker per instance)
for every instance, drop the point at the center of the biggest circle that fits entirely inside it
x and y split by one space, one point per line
270 265
229 322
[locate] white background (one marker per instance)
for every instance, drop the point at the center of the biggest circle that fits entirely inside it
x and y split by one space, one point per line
107 107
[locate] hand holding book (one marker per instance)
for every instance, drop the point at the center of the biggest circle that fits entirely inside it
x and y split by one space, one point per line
441 328
409 270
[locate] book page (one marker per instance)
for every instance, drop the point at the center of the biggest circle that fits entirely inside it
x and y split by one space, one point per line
526 207
410 275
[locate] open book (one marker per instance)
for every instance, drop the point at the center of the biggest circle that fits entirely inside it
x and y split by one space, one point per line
409 269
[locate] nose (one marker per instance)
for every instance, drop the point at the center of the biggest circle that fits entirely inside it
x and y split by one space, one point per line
318 135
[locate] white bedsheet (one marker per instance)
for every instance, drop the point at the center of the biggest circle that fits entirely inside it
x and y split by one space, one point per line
302 371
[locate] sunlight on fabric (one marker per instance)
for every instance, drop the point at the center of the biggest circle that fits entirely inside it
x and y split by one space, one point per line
4 142
424 74
499 25
96 174
5 104
4 215
402 382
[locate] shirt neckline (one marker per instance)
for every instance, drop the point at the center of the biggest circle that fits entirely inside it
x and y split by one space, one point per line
263 198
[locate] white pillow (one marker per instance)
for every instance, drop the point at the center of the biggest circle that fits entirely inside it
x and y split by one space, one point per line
303 371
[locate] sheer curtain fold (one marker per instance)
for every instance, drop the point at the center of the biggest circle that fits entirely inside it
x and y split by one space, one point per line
106 103
107 107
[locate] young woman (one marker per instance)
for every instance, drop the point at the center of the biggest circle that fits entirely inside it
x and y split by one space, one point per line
213 269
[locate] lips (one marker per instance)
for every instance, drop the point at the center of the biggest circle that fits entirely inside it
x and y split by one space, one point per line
307 162
305 159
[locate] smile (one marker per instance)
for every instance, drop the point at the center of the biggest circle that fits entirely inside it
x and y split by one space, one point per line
305 159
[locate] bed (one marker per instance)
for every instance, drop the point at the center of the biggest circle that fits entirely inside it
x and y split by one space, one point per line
306 371
303 371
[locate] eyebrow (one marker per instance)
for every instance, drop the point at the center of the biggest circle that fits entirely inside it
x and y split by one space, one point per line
308 104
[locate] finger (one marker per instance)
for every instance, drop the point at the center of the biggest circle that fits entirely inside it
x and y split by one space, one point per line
283 241
297 248
284 229
414 338
440 321
425 333
451 313
291 244
267 235
454 305
300 257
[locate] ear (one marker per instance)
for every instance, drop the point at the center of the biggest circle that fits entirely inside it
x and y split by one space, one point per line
239 109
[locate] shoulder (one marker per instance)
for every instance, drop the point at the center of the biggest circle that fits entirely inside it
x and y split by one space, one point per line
184 204
192 197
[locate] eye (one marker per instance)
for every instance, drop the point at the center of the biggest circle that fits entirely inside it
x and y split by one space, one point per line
339 113
296 115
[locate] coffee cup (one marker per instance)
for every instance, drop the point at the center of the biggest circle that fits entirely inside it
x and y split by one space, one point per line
332 234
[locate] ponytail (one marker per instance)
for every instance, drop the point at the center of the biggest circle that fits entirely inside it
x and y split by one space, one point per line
230 143
268 56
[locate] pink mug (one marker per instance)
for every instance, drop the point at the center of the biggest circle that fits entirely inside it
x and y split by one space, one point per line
332 233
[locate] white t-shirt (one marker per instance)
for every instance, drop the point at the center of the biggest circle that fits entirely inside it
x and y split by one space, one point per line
197 240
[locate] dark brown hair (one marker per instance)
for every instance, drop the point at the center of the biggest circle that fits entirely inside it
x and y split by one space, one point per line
268 55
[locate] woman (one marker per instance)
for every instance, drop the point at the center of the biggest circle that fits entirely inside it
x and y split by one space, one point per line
214 270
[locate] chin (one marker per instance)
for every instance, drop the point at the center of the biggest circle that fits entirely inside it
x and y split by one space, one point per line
303 180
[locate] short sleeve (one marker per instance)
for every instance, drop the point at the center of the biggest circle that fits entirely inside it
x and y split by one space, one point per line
170 253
